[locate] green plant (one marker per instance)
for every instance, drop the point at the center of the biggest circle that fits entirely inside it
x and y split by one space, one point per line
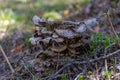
47 70
80 77
28 64
52 15
111 67
35 78
101 39
89 72
7 17
27 38
106 73
63 77
23 73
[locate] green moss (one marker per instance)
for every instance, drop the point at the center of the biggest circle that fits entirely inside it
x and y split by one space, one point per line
101 39
80 77
106 73
52 15
63 77
27 38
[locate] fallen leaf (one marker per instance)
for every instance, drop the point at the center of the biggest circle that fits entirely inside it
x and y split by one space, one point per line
18 48
96 28
66 12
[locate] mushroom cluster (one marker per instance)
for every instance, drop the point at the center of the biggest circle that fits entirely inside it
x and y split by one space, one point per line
59 36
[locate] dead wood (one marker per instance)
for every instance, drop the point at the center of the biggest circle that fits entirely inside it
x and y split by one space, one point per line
83 62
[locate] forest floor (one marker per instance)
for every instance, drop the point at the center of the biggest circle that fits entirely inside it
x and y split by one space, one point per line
99 60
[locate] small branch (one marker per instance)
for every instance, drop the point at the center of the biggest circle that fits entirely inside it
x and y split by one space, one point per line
105 53
6 58
110 21
83 62
27 69
95 60
110 45
104 57
106 69
60 70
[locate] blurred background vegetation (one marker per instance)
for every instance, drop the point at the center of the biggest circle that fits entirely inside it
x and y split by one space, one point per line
18 13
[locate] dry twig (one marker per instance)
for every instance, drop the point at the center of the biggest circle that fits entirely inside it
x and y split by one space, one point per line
6 58
83 62
27 69
110 21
